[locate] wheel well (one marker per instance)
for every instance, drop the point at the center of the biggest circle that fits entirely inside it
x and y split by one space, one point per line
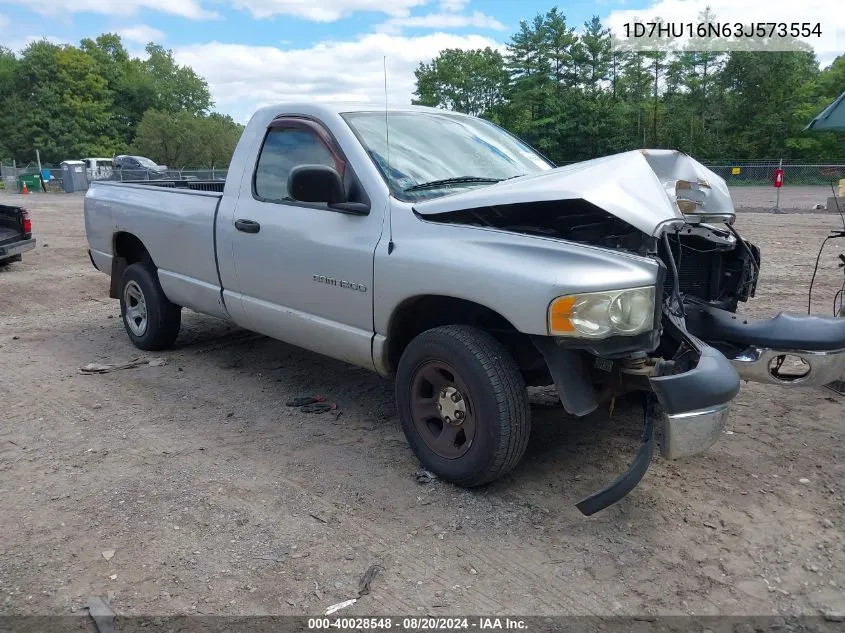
418 314
128 249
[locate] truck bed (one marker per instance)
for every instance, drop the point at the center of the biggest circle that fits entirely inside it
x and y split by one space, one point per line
215 186
175 224
8 234
10 226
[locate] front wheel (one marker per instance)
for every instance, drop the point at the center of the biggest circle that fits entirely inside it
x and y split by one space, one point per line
151 320
463 404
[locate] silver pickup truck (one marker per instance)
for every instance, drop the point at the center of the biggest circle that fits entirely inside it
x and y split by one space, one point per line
439 249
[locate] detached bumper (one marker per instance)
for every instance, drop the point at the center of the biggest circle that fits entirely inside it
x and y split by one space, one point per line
695 404
692 412
761 365
758 349
16 248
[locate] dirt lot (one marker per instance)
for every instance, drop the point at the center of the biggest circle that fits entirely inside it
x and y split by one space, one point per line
793 198
217 498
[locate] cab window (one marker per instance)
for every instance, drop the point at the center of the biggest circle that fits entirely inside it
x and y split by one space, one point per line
284 149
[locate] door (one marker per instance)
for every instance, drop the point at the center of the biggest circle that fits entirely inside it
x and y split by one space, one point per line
304 272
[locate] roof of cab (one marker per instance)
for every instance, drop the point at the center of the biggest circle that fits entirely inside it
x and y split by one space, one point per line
322 108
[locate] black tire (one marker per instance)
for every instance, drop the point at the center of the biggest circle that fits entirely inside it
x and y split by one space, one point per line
162 319
496 399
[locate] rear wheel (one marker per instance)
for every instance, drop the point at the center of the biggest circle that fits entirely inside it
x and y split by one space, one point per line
151 320
463 404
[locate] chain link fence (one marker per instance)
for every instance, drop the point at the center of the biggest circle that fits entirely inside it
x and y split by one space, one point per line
735 173
51 177
745 173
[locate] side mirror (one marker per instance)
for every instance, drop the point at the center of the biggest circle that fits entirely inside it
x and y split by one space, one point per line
316 183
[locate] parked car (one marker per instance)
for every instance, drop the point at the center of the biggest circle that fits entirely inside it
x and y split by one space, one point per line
138 168
467 266
15 234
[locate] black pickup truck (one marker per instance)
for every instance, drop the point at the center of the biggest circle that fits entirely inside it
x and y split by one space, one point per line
15 233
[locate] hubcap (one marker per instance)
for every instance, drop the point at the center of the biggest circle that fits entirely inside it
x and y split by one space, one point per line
452 406
135 313
442 410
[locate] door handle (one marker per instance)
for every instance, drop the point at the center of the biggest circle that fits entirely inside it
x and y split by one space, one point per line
247 226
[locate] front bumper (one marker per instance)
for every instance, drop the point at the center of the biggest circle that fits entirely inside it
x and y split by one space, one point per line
16 248
690 413
695 403
759 364
692 432
759 349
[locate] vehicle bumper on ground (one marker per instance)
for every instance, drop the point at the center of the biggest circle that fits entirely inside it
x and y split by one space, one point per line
695 404
758 364
691 413
16 248
759 349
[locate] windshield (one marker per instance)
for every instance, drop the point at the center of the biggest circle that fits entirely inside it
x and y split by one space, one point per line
427 148
146 162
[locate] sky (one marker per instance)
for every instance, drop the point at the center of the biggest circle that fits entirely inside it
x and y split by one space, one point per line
259 52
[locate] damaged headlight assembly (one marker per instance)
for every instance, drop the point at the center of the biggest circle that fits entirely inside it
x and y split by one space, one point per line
597 315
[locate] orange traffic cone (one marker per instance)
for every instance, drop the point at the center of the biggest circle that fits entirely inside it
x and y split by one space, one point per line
24 191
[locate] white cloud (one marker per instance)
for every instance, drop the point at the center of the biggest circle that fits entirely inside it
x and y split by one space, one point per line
184 8
453 5
141 34
442 21
323 10
4 22
243 78
747 11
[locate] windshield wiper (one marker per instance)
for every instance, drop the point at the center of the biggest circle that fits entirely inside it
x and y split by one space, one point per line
457 180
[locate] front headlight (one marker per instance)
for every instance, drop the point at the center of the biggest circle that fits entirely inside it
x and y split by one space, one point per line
602 314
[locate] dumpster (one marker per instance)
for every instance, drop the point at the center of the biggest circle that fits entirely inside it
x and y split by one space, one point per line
74 177
32 182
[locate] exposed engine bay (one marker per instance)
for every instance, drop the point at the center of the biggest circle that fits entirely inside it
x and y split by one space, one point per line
573 220
713 263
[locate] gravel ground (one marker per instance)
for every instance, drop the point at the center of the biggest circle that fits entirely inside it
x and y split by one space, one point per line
191 488
793 198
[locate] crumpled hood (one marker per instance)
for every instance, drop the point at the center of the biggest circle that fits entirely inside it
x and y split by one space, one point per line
645 188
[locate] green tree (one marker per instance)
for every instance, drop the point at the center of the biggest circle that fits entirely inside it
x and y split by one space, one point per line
529 67
62 105
560 39
183 139
71 102
577 96
8 105
596 46
763 90
473 81
177 88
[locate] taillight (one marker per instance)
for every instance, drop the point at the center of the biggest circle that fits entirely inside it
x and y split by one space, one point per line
26 223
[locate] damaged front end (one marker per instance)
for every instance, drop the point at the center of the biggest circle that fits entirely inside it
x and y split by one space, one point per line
688 365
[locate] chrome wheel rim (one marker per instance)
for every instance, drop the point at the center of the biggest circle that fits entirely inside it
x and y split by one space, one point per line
135 310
